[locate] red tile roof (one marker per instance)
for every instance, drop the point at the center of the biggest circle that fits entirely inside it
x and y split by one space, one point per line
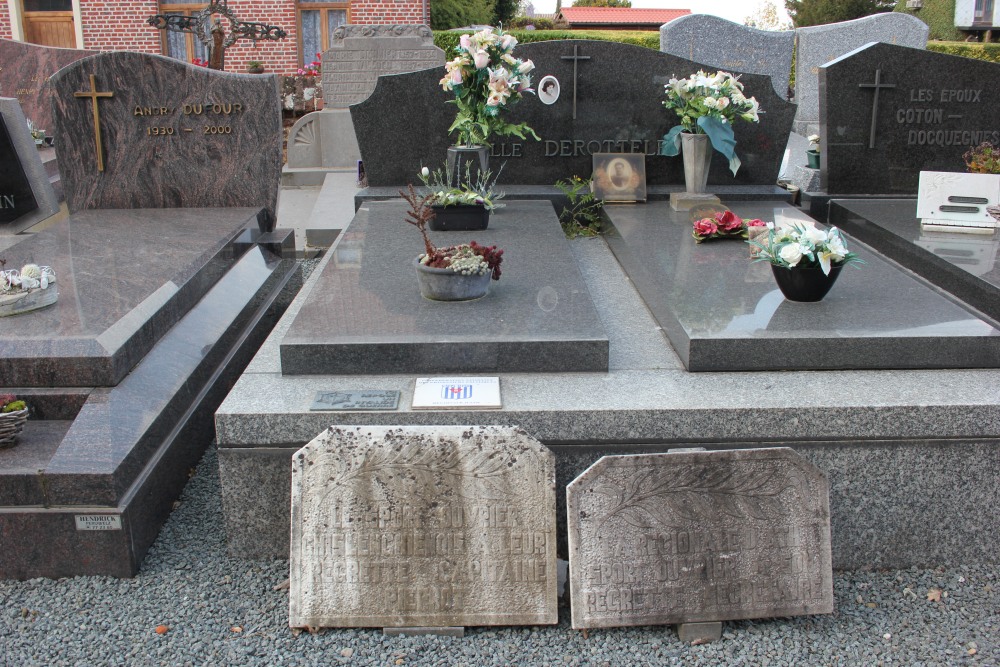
606 15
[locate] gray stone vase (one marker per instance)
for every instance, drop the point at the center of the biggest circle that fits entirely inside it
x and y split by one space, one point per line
446 285
459 156
697 152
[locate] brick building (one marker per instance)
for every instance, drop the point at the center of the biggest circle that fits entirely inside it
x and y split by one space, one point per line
116 25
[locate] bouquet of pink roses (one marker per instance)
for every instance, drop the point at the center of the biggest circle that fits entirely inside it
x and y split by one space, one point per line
724 224
486 79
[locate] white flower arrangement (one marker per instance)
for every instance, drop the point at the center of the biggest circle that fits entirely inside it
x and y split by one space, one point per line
709 104
31 276
813 142
804 246
486 79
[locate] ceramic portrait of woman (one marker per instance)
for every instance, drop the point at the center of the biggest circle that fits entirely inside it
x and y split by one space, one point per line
548 90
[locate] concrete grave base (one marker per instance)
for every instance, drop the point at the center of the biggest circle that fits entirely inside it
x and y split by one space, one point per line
893 442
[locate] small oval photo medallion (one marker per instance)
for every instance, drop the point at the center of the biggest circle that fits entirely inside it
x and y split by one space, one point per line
548 90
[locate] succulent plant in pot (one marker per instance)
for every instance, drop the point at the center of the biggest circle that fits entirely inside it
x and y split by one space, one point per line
459 272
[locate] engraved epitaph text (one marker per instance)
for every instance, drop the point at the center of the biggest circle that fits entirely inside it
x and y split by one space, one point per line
423 526
702 536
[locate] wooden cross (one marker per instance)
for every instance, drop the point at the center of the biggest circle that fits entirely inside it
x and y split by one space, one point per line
93 95
877 86
576 58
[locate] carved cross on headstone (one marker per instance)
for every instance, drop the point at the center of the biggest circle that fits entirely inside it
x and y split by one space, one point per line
212 34
576 58
877 86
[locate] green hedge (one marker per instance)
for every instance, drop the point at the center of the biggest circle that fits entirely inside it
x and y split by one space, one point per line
939 15
988 52
448 40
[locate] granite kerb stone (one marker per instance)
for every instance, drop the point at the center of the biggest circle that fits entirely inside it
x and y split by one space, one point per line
118 431
111 310
538 317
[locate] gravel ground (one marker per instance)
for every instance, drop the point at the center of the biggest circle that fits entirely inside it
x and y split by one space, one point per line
214 610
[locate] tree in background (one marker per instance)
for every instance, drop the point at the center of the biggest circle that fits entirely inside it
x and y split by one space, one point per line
504 11
765 17
602 3
448 14
819 12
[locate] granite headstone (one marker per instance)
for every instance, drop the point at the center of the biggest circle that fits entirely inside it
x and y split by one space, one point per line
818 45
351 66
144 131
24 73
730 46
619 109
359 54
26 196
698 536
889 112
434 526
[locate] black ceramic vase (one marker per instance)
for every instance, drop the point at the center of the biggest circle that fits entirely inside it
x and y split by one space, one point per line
804 283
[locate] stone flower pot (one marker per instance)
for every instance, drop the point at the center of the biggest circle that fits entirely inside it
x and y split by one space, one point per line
697 152
813 159
446 285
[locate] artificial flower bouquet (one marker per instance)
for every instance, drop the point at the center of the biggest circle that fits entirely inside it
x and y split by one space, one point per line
486 79
724 224
709 104
805 246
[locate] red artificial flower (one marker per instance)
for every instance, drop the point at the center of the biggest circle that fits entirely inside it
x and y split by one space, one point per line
705 227
729 221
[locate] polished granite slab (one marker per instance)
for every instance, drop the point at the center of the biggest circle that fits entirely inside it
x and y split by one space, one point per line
723 312
126 452
964 265
124 277
365 314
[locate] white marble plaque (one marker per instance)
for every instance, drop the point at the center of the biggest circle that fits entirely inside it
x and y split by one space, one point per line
431 526
958 200
456 393
702 536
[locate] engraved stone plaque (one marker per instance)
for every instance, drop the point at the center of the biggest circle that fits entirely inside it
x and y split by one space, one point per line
361 53
423 526
369 399
701 536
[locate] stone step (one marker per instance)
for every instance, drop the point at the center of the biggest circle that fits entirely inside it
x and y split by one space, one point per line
124 458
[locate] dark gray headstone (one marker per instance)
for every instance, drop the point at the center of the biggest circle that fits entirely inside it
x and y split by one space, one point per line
730 46
619 110
820 44
172 135
26 196
360 53
929 109
24 73
698 536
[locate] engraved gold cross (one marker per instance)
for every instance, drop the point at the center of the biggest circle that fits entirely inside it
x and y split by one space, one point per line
93 95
